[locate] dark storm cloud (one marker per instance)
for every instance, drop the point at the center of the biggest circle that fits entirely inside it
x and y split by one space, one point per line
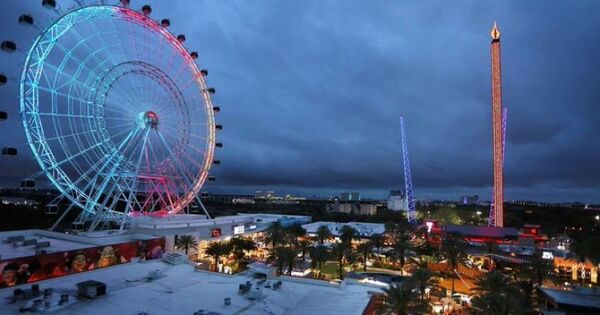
311 93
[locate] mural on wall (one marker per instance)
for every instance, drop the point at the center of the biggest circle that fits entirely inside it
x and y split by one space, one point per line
36 268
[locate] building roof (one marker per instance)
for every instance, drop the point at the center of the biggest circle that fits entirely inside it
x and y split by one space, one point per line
364 229
182 290
580 297
482 231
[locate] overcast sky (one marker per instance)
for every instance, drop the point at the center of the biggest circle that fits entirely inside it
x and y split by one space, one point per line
311 93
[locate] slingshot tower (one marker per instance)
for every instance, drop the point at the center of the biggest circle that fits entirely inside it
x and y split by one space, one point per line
411 213
496 217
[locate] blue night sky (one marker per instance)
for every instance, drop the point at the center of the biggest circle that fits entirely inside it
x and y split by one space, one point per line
311 93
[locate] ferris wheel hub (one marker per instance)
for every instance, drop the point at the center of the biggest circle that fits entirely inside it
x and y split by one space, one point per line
147 119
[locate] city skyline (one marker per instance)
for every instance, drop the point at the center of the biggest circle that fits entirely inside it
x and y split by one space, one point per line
289 130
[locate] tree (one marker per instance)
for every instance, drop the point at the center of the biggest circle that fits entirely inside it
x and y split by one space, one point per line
364 251
319 256
275 234
581 253
453 248
296 231
491 248
423 279
401 299
347 234
284 257
339 251
186 242
240 246
497 294
304 246
537 271
401 249
216 250
323 233
447 216
377 241
425 248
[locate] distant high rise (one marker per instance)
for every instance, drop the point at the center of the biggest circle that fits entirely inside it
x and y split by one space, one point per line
349 196
469 200
396 200
497 209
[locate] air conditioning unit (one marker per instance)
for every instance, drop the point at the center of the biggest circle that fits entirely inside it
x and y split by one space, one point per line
174 258
91 289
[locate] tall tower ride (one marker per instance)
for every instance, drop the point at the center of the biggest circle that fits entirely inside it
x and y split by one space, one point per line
497 210
411 213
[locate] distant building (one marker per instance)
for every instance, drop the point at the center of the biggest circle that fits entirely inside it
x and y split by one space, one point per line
356 208
19 201
469 200
244 201
264 194
349 196
396 200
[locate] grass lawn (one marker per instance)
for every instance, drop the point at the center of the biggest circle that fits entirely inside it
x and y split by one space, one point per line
330 270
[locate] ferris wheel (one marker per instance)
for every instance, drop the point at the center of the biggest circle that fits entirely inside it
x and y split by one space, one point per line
117 113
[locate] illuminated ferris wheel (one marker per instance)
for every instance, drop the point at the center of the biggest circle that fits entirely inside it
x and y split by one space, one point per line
117 113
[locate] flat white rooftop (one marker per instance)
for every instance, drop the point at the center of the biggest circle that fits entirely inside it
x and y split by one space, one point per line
364 229
184 291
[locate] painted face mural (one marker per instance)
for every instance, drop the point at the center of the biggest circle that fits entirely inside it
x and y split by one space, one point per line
9 275
36 268
107 257
79 263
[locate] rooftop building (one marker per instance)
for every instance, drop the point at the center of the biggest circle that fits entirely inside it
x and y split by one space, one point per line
570 302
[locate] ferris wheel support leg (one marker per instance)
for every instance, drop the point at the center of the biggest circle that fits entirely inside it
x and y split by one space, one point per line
203 208
184 173
106 181
62 216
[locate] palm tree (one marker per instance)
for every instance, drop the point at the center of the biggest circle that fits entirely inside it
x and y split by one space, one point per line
340 251
364 250
347 234
401 299
319 256
401 249
498 294
284 257
538 270
240 246
534 273
186 242
425 249
454 249
304 245
216 250
423 279
491 248
323 233
296 231
377 241
275 234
